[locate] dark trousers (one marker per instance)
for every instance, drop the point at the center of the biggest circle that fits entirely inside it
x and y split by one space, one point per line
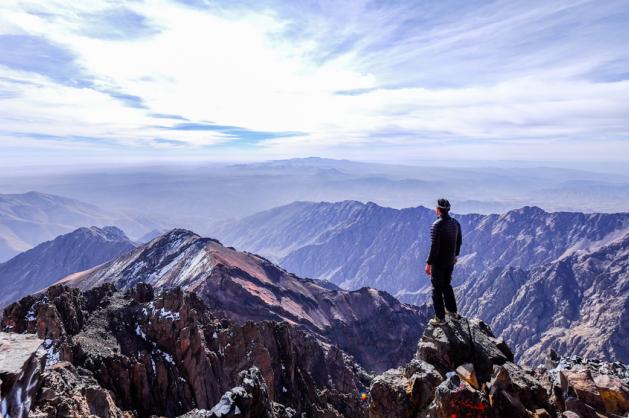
442 290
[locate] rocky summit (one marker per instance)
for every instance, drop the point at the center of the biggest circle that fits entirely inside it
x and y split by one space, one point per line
462 370
164 352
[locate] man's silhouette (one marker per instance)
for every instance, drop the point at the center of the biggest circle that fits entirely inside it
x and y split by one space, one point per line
446 242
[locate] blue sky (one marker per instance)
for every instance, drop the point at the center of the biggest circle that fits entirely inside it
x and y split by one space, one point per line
373 80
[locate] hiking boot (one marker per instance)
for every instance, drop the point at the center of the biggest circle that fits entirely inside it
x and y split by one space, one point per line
453 315
437 322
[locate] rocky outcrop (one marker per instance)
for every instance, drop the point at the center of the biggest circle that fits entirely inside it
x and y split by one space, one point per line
50 261
144 353
378 330
458 371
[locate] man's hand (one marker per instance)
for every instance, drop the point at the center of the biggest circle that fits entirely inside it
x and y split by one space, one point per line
428 269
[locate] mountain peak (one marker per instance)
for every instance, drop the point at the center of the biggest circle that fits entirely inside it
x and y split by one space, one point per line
50 261
249 287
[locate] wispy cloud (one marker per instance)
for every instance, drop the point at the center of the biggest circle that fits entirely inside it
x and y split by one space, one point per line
393 79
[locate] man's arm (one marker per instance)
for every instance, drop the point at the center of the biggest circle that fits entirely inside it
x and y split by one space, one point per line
459 238
434 244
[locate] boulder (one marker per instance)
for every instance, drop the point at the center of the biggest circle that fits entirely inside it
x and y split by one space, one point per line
614 393
585 388
22 362
403 392
455 397
460 342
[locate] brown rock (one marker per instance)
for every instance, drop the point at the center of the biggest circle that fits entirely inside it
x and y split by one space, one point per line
585 388
614 393
467 373
541 413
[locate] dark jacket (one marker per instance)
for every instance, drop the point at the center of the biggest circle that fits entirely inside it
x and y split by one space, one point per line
445 235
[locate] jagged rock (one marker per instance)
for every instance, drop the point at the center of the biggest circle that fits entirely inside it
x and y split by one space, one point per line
171 355
503 388
466 372
454 397
248 400
403 392
523 387
448 347
67 391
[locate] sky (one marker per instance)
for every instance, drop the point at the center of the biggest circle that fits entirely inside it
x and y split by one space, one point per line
87 82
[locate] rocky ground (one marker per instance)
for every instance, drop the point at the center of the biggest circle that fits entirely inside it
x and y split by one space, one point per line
142 353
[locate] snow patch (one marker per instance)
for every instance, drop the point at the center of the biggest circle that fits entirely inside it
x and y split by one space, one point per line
140 333
31 316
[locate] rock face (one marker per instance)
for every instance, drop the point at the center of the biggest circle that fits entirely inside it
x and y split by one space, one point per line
505 265
139 353
379 331
429 386
45 264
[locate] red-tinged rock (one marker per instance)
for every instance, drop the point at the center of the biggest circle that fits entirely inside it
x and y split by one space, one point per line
455 398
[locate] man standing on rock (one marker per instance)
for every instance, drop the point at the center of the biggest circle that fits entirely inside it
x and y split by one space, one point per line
446 242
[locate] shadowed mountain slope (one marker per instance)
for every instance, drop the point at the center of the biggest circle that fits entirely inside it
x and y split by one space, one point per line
50 261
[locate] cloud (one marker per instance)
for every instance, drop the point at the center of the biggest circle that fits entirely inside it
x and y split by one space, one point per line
246 135
36 54
119 24
321 77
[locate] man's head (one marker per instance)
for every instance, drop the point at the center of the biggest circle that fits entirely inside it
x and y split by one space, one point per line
443 207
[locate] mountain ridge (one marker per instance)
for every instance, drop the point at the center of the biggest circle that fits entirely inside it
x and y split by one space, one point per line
28 219
366 322
52 260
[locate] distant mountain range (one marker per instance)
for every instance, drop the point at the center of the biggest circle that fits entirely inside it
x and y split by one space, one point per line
31 218
39 267
353 244
371 325
195 196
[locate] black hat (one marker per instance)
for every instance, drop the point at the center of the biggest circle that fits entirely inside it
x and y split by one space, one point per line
443 204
